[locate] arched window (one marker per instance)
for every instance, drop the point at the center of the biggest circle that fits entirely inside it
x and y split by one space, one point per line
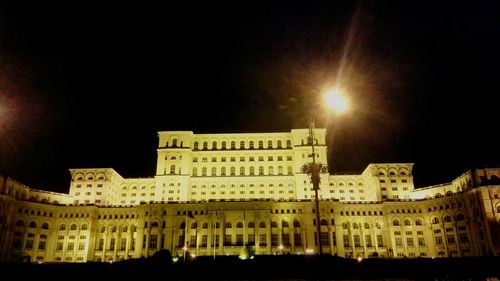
407 222
45 225
418 222
182 225
113 229
125 229
251 224
395 222
233 145
223 145
279 144
195 145
223 171
269 144
284 224
252 171
271 171
239 224
242 171
84 227
214 172
205 145
288 144
447 219
204 171
242 145
217 225
251 145
174 142
233 171
274 224
19 223
290 170
172 169
194 225
355 226
32 224
73 227
261 171
460 217
323 222
344 225
367 225
62 227
262 224
103 229
435 220
154 224
214 145
204 225
229 225
296 223
261 144
133 228
280 170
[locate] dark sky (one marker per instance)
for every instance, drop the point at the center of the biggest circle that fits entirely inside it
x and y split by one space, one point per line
89 84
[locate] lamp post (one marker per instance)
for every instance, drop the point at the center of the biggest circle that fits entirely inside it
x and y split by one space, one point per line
334 101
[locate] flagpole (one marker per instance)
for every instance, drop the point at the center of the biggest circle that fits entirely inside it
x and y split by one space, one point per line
185 236
213 236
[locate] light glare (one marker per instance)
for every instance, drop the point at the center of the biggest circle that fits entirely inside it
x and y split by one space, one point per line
334 100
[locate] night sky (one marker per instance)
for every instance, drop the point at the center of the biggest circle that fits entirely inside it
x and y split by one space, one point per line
86 84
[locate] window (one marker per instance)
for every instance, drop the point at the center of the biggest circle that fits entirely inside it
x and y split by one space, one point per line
153 241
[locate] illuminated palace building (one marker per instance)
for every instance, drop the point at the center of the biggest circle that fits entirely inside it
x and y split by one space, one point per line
215 193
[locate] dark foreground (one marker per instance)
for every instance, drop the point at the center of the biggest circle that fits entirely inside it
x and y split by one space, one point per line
264 268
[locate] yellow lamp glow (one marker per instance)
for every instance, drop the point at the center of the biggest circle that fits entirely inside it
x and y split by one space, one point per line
334 100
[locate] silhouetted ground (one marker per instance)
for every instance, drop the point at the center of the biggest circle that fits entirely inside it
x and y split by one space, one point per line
263 268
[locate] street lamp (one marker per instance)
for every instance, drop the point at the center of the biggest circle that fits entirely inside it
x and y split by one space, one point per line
334 101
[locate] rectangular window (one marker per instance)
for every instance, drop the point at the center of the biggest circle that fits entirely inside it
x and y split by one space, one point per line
409 242
192 241
227 240
368 241
439 240
464 238
112 244
286 239
399 242
71 246
451 239
239 239
421 242
345 239
81 246
274 239
251 239
324 238
380 241
204 240
41 245
132 244
123 244
101 245
153 241
357 241
262 240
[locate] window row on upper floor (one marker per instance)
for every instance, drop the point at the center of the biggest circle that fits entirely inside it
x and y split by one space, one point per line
243 158
242 145
32 224
243 171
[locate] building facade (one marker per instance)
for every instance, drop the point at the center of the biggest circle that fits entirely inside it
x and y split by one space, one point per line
215 193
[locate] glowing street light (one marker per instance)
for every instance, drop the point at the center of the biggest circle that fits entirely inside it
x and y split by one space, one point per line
334 101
